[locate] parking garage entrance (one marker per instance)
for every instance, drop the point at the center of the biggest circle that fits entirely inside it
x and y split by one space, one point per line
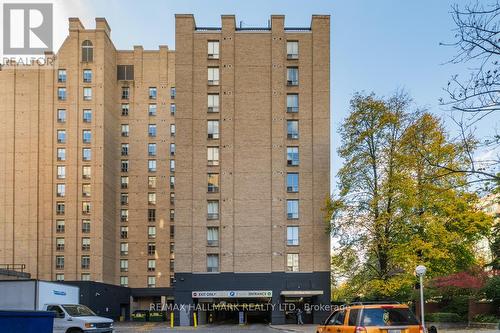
233 307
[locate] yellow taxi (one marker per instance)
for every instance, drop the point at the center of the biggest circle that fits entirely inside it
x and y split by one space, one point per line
372 318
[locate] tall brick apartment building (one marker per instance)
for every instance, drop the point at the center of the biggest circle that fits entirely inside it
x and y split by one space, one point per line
196 175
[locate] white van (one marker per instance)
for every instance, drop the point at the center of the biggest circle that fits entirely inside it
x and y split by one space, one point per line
62 299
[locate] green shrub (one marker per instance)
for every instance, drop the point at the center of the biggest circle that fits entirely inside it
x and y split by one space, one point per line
443 317
486 318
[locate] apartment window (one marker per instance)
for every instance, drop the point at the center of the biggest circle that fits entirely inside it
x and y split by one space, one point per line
292 209
61 154
152 109
61 136
213 155
124 281
292 76
172 149
152 130
124 215
86 136
172 182
151 265
151 281
172 108
152 198
124 165
59 262
61 115
60 208
85 244
173 93
59 277
85 277
87 116
292 49
213 129
172 165
86 207
87 94
213 49
60 226
123 249
87 75
85 226
123 232
59 244
213 76
152 182
124 182
151 249
292 262
152 165
85 262
61 172
152 149
213 103
124 199
61 76
87 51
172 266
213 182
152 93
172 130
125 72
124 150
125 130
86 190
292 156
212 263
172 246
292 129
86 154
123 265
61 190
151 215
212 236
86 170
292 182
172 231
125 109
151 232
125 92
61 94
172 198
292 236
172 215
212 210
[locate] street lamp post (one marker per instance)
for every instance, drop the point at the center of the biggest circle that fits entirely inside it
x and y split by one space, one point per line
420 271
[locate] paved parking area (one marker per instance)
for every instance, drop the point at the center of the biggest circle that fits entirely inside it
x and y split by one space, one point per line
163 327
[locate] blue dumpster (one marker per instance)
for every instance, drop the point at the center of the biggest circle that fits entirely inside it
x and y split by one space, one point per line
26 321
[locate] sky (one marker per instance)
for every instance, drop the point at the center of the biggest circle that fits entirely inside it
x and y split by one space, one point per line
380 46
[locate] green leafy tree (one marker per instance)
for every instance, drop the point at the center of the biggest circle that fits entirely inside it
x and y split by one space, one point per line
395 209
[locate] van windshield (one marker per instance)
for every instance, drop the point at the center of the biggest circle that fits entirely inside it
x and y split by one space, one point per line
77 310
388 317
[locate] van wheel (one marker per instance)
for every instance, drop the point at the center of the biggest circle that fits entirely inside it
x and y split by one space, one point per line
74 330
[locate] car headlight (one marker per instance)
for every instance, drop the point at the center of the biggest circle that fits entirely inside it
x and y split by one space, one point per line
111 325
89 325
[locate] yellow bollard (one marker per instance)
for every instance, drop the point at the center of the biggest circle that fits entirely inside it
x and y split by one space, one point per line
171 319
195 320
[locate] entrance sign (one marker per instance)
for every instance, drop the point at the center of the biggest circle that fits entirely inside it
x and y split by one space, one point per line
232 294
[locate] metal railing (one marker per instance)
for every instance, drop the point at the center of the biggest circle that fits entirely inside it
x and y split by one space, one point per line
13 267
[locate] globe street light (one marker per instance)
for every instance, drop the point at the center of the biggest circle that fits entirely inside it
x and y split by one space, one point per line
420 272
